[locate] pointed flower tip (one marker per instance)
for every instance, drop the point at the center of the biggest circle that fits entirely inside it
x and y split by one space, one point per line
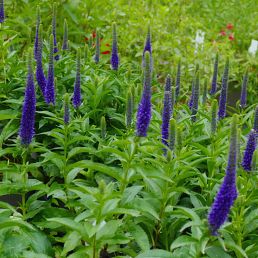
249 151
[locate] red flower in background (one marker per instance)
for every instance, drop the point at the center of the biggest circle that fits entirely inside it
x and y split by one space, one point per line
230 26
93 36
105 52
231 37
222 33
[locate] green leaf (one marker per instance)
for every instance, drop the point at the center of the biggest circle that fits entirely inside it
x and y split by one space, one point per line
140 236
155 253
182 241
7 114
71 242
216 252
109 229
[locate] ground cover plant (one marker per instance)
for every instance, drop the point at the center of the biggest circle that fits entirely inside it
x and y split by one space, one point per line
120 137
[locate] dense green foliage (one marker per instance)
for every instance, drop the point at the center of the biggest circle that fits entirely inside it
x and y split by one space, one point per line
91 188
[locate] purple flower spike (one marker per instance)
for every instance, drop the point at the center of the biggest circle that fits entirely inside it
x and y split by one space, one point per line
168 83
228 191
114 56
2 16
167 108
77 86
196 97
249 151
50 87
29 108
144 108
215 76
54 32
224 92
66 109
147 47
190 102
41 79
37 33
244 91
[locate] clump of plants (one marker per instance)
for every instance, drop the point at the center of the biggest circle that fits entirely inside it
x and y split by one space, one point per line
100 157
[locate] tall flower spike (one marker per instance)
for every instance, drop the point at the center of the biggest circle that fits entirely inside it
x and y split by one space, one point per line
196 97
204 93
256 119
249 151
114 60
244 91
190 102
129 108
144 108
37 33
224 92
166 117
2 16
50 87
77 85
168 88
215 76
227 192
168 83
27 126
54 32
172 133
66 109
97 52
214 110
103 127
65 37
40 76
178 79
147 46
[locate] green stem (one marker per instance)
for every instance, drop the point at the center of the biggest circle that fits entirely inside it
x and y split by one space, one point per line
24 181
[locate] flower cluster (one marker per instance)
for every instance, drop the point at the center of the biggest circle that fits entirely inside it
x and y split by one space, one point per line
228 32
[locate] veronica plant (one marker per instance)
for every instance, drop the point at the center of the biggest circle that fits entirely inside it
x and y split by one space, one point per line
215 76
66 109
114 60
148 47
2 15
224 92
227 192
144 108
77 85
40 76
196 97
27 126
249 151
54 32
50 86
37 33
